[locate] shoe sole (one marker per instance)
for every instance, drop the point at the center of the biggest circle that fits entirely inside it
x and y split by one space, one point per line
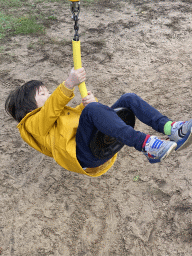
171 149
185 142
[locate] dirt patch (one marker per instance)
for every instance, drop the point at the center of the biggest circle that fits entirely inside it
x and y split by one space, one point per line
127 46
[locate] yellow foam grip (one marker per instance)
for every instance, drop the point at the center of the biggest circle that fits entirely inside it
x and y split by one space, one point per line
77 64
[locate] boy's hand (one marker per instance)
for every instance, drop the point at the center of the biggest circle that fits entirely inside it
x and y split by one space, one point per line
88 99
76 77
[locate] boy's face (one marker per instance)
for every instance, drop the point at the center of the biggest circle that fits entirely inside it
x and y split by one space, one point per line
41 96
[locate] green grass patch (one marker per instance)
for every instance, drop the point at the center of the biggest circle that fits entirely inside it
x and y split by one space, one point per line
10 25
6 24
88 2
25 26
2 48
52 17
10 3
13 22
52 1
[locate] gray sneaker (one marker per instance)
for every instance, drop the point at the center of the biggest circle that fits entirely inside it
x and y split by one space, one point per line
181 133
157 150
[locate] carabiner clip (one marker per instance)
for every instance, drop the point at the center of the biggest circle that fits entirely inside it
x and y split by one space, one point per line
75 9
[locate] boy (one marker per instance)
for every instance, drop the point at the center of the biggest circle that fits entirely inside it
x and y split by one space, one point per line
64 133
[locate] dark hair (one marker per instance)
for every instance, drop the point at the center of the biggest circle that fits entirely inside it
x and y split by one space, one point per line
21 101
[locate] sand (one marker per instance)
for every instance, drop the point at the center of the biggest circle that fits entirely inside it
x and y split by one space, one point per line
143 47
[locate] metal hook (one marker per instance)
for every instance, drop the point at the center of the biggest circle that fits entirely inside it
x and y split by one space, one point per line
75 9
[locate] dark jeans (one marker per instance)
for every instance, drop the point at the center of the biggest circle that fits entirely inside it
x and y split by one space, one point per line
98 116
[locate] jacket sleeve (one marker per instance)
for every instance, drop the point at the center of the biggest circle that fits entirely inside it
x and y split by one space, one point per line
43 120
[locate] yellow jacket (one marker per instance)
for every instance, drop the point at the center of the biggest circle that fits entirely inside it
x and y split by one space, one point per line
52 129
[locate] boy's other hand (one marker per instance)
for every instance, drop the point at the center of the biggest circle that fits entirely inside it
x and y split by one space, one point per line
76 77
88 99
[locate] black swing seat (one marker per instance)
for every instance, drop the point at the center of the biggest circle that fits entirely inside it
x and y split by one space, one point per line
104 146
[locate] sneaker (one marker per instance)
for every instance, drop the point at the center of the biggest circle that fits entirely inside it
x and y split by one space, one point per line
157 150
181 133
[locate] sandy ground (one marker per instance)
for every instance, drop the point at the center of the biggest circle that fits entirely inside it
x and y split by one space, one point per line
137 46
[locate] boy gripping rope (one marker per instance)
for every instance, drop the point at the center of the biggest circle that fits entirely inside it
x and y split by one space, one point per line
64 133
